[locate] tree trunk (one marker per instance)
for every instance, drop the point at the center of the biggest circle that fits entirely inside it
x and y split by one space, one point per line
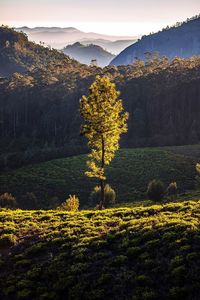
102 194
101 204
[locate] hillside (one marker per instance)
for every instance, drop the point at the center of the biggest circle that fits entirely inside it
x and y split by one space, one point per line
114 47
17 54
148 253
129 174
39 115
86 53
182 40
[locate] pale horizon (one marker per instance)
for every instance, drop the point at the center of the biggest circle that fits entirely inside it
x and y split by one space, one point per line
127 18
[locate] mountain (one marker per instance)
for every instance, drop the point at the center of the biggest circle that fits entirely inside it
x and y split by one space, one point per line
114 47
182 40
39 105
58 38
85 54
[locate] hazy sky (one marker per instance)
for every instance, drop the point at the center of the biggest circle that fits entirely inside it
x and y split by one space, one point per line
117 17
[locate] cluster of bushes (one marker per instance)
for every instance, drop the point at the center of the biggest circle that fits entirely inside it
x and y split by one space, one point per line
27 201
7 200
30 201
95 196
156 190
72 203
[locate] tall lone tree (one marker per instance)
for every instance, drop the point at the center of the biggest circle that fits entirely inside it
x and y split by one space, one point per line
104 122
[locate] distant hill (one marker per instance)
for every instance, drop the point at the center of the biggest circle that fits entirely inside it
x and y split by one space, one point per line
86 53
114 47
182 40
60 37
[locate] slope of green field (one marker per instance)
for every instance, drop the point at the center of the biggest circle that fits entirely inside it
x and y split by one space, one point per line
129 174
192 151
123 253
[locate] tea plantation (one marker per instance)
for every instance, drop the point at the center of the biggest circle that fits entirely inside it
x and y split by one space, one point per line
136 253
129 174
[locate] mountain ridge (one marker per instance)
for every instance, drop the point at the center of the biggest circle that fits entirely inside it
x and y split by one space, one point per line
86 53
58 37
182 40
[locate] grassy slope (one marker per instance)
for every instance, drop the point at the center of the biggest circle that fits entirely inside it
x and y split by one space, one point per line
123 253
192 151
129 174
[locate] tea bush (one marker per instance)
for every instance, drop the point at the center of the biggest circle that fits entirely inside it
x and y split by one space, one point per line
139 252
156 190
71 204
110 196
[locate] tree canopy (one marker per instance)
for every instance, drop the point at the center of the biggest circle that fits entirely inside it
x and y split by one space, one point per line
104 122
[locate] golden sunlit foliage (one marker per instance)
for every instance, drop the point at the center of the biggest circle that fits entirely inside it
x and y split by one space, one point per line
104 122
7 200
71 204
141 253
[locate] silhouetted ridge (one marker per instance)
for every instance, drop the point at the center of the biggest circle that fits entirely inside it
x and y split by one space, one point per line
182 40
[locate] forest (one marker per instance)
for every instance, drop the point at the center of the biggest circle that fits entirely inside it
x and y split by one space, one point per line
159 95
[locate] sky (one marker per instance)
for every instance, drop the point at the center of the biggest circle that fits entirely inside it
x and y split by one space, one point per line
113 17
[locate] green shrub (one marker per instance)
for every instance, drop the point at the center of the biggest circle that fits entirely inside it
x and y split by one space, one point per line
7 200
24 294
23 263
156 190
133 252
178 292
7 240
29 201
149 295
143 280
35 249
71 204
119 260
198 174
110 196
176 261
172 190
192 257
179 273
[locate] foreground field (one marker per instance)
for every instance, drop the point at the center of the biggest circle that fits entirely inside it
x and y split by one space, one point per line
123 253
129 174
